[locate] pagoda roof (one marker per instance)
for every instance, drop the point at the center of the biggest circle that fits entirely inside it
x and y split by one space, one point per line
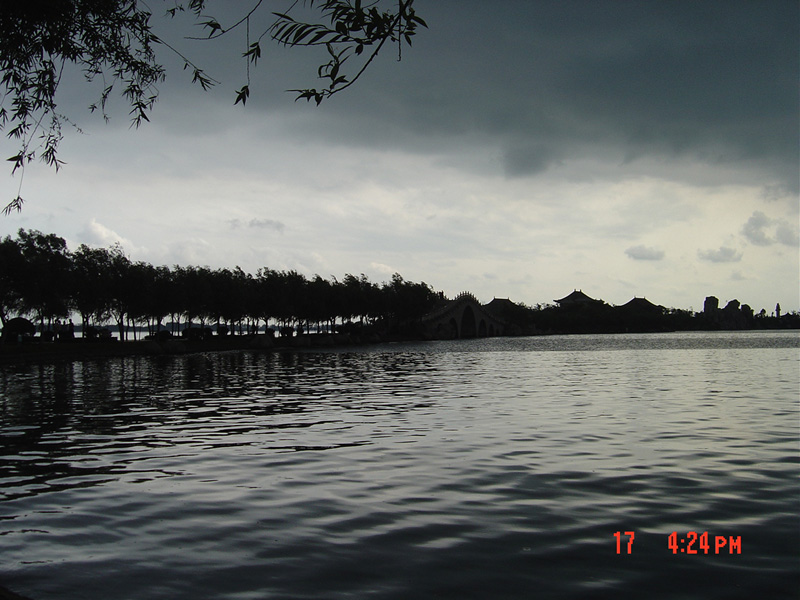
500 306
641 304
576 297
500 302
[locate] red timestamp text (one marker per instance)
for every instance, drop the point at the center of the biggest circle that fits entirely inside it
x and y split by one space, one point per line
690 543
618 535
694 543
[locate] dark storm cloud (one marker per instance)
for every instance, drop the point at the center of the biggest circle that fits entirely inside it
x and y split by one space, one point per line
528 159
537 83
712 81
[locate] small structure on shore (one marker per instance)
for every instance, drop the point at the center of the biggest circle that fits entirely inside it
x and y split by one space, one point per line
577 298
641 305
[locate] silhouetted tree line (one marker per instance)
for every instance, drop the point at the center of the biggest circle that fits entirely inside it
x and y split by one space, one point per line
42 279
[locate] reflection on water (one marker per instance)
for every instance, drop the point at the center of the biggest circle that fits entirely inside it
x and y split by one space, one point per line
486 469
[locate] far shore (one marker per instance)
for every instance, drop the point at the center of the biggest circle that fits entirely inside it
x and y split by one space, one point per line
79 348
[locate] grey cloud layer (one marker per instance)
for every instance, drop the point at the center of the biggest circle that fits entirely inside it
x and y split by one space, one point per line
548 81
258 224
645 253
723 255
759 231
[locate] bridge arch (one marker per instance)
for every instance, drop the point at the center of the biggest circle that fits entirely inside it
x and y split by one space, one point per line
463 317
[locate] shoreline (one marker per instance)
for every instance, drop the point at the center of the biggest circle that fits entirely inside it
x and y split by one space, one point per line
79 349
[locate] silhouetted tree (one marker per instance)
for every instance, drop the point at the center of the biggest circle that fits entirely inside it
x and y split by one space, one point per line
197 289
12 267
361 298
91 269
293 302
403 303
121 284
319 304
235 289
262 301
44 283
161 293
140 282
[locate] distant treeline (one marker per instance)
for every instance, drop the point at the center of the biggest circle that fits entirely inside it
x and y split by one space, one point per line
41 279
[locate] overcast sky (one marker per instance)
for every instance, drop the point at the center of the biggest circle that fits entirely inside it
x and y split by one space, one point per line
521 149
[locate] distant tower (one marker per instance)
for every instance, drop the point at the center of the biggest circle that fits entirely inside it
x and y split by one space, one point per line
711 304
778 310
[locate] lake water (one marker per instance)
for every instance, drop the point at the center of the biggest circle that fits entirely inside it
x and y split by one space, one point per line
497 468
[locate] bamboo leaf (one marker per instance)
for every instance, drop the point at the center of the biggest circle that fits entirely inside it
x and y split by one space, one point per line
242 95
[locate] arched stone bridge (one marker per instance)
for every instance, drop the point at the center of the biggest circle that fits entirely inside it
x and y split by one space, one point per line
463 317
